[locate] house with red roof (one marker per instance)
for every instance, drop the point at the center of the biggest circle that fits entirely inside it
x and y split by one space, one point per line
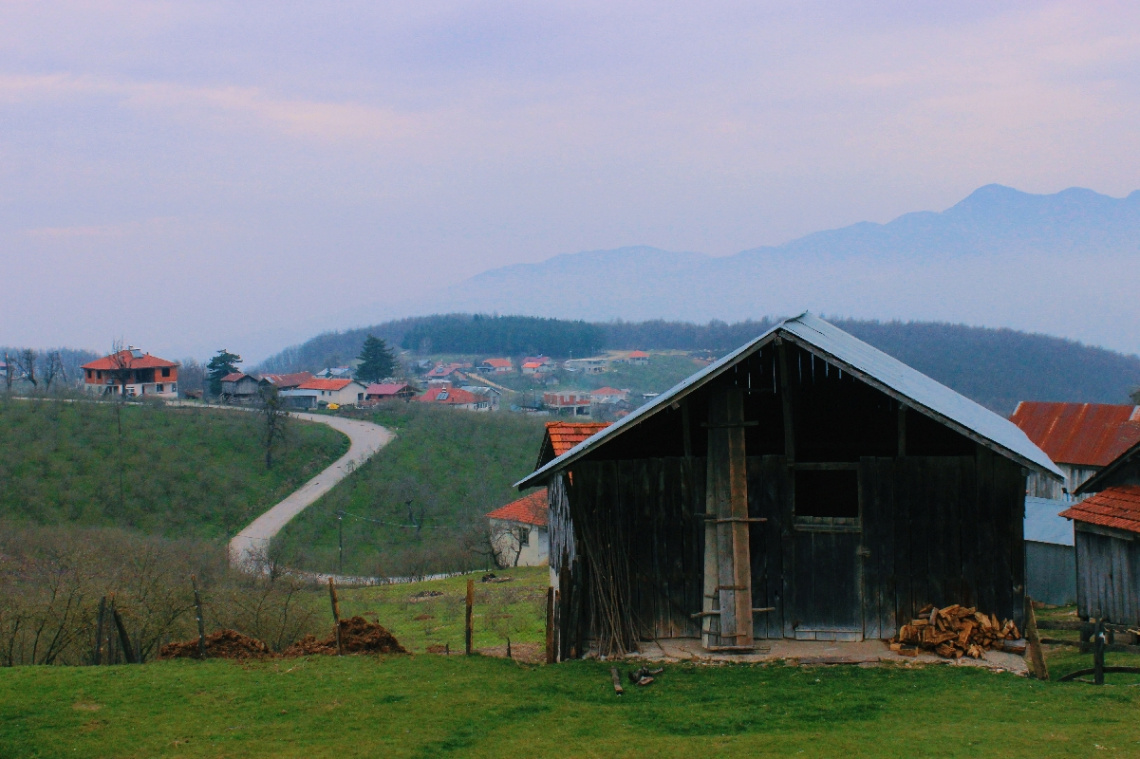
132 373
569 403
1106 527
454 397
318 393
239 387
609 395
638 358
1081 438
378 392
518 532
287 381
497 366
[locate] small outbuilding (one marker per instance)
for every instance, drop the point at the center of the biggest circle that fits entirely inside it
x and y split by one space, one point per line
804 486
1050 558
1106 526
518 532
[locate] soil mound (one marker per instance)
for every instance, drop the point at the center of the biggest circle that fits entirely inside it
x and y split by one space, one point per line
357 635
223 644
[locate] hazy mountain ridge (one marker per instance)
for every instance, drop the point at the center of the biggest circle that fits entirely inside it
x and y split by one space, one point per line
988 260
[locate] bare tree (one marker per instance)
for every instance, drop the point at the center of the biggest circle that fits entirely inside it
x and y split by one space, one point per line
276 418
54 370
507 541
9 372
1135 396
27 361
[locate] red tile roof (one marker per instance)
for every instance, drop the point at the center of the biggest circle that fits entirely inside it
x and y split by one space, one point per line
499 363
386 388
638 354
285 381
126 360
565 435
234 377
530 509
1117 507
1088 434
607 391
452 396
325 384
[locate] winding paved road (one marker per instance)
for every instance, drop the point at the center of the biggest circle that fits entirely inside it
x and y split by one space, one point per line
366 439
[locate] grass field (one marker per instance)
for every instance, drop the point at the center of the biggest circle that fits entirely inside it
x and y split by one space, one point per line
185 473
446 467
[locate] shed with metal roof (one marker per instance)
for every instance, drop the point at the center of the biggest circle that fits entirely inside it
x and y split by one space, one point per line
804 486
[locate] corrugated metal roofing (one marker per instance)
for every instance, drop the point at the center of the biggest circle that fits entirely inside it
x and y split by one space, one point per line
1129 460
1117 507
530 509
1044 523
867 363
1086 434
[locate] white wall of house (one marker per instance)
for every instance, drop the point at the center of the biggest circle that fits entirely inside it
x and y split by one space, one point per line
529 541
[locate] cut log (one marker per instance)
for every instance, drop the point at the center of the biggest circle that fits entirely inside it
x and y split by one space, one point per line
955 631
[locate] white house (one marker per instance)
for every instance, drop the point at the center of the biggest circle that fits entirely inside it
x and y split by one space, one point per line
321 392
518 532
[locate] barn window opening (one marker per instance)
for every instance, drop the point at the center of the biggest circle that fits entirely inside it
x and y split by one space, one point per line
827 494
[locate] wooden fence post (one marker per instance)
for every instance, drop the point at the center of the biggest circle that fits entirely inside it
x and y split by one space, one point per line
1036 658
124 638
97 654
336 615
201 620
467 623
550 625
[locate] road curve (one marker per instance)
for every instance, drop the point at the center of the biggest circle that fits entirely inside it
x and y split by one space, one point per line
366 440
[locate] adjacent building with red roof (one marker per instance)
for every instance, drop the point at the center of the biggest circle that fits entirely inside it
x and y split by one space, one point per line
317 393
609 395
454 397
497 366
518 531
287 381
1081 438
132 373
389 391
571 403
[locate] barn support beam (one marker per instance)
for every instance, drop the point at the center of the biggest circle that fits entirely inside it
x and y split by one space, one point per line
728 565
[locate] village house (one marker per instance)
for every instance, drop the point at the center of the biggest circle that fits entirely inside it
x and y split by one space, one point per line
286 381
595 365
493 396
1050 556
805 486
454 397
496 366
638 358
133 373
1080 438
389 391
334 372
518 532
609 395
569 403
536 366
239 387
1106 525
317 393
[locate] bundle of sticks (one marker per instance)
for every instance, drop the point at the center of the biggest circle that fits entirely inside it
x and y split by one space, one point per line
954 632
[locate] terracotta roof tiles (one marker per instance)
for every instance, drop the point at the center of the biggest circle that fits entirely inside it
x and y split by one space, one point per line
1117 507
325 384
124 359
530 509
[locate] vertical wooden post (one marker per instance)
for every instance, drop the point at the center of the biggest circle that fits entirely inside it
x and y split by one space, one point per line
1036 658
336 615
467 618
201 620
550 625
97 654
1098 653
124 638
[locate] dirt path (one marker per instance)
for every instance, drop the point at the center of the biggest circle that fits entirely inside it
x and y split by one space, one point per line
366 440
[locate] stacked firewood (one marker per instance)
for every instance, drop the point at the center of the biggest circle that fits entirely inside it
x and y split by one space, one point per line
954 632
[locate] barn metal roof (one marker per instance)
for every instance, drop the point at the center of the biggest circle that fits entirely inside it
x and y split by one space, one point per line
1086 434
870 365
1044 523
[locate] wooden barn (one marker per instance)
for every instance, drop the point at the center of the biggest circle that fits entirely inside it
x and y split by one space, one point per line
804 486
1106 528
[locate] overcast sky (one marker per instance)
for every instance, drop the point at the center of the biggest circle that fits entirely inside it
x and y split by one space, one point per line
191 175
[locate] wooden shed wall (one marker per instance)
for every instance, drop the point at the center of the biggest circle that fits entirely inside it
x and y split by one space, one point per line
1108 568
934 529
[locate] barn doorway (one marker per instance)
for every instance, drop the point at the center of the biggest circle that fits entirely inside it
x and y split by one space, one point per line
827 531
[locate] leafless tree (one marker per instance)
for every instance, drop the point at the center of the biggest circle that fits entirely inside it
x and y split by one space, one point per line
54 370
27 362
276 418
9 372
507 541
1135 396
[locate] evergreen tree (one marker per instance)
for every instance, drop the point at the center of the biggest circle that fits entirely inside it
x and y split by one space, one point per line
220 365
376 361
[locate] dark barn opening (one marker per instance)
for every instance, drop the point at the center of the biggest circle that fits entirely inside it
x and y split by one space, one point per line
805 486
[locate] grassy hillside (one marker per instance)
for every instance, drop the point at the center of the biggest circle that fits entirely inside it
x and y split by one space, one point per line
176 472
419 506
431 706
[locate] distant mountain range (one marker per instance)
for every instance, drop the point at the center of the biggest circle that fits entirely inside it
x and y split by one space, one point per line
1065 264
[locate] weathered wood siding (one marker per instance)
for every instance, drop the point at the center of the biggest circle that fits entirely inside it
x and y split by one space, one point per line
1108 567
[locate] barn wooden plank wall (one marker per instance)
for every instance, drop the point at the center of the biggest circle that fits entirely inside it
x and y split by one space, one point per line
1108 565
935 529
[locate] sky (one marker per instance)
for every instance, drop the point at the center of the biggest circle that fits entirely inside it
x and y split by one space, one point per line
186 176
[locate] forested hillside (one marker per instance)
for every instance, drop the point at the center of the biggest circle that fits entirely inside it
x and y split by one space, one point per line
996 367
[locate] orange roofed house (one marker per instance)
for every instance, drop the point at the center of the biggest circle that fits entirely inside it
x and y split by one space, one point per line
132 373
518 532
321 392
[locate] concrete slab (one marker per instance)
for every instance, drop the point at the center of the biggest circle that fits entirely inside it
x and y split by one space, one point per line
819 653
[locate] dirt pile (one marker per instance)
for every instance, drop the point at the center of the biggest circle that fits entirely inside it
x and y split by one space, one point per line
223 644
357 635
954 632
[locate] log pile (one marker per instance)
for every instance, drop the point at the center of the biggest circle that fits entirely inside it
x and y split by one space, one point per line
954 632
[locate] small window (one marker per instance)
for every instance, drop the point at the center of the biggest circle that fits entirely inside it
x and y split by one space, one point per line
158 388
166 372
827 494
